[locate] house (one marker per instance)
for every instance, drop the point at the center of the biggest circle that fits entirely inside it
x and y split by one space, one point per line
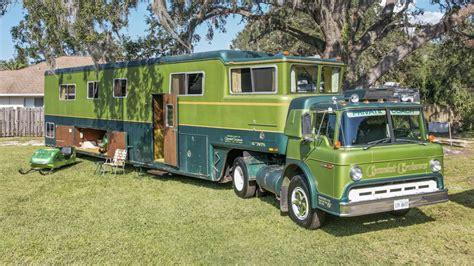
25 87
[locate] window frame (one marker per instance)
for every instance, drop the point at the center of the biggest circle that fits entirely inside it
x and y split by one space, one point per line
67 84
46 130
186 73
98 88
251 77
320 66
113 88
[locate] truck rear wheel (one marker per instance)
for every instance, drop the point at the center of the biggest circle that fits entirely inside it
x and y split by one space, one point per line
299 205
243 187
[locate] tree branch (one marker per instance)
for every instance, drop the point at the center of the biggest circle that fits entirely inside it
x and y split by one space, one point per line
452 20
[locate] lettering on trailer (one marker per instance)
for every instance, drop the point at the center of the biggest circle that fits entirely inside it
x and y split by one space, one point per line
233 139
400 168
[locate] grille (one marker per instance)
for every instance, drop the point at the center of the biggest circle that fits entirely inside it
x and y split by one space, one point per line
389 191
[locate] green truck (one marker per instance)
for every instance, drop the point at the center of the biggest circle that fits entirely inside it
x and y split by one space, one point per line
265 122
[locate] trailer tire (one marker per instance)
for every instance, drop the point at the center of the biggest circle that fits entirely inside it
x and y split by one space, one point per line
299 205
243 187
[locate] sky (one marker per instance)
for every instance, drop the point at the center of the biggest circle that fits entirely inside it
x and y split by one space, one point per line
137 27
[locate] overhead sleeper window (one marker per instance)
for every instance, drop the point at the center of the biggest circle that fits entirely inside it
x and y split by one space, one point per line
120 88
253 80
187 83
67 92
92 90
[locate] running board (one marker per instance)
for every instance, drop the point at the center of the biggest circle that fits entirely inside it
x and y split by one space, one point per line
158 172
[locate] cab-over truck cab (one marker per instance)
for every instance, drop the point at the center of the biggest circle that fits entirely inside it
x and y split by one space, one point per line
348 158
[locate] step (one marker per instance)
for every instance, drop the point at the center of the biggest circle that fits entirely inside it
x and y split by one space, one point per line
158 172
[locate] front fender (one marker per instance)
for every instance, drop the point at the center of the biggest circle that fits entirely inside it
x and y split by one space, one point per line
310 180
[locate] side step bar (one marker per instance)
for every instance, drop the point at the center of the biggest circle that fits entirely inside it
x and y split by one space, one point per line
157 172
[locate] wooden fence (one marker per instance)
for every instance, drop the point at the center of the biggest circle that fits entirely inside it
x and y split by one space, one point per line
19 122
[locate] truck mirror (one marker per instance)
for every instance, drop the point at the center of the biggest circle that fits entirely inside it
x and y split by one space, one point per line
306 127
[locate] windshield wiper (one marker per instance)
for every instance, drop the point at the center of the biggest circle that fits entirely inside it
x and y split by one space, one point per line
411 141
376 142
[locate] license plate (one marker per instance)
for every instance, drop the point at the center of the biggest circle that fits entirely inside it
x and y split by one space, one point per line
401 204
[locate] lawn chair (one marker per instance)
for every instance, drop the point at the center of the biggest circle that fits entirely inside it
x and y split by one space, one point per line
115 163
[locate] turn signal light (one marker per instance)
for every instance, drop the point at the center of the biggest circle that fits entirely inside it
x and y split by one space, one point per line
286 53
337 144
431 138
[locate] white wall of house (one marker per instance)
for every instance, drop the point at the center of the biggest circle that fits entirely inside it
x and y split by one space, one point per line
21 101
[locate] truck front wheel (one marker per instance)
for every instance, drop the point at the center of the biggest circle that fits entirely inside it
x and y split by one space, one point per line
299 205
243 187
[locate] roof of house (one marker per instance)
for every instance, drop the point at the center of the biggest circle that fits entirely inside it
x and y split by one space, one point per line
30 80
226 56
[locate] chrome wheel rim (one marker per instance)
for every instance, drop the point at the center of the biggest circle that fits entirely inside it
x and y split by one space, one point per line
238 178
299 203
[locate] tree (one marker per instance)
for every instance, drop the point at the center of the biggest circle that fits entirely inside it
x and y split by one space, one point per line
12 65
338 28
52 28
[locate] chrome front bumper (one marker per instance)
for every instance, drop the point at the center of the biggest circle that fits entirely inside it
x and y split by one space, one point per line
385 205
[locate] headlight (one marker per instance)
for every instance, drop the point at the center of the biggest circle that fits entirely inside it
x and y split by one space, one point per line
435 166
356 173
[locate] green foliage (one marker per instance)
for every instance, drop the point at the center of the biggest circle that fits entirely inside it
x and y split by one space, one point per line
12 65
444 73
54 28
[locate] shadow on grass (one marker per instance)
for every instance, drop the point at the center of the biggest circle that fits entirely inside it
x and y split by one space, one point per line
339 226
465 198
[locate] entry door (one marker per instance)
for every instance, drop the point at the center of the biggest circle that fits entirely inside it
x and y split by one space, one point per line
64 136
170 105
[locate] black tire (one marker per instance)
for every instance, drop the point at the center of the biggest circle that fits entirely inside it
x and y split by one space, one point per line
400 213
306 217
240 180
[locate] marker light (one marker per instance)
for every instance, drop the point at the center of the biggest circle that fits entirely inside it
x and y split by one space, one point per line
431 138
337 144
435 166
355 173
286 53
354 98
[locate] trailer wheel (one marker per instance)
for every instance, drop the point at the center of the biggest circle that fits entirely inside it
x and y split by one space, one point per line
240 179
299 205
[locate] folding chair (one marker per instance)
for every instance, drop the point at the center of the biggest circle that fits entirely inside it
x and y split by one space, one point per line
115 163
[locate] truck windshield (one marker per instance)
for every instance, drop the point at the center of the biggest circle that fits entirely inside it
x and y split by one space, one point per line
362 127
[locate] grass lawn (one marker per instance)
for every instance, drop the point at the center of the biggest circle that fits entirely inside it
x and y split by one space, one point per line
74 216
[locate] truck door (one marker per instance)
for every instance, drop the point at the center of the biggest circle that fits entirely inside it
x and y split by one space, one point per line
170 105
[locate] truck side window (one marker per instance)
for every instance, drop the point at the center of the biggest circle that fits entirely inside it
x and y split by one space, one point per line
327 123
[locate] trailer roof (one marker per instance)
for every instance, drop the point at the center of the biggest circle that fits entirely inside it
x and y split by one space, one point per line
226 56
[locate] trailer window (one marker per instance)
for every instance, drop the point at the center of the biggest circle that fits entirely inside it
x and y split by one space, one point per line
330 77
92 90
304 78
67 92
253 80
120 88
187 83
49 130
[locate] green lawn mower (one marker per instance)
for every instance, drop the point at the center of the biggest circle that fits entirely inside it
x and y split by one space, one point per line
46 160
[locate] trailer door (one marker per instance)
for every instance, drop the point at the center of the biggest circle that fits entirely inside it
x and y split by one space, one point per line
117 140
64 136
171 128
